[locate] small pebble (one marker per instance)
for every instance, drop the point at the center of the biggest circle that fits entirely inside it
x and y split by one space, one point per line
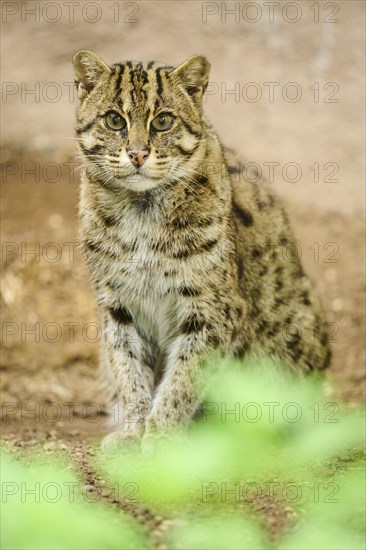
338 304
50 446
331 275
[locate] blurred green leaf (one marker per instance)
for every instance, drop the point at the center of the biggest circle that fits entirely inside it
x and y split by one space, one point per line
218 532
43 508
258 427
334 516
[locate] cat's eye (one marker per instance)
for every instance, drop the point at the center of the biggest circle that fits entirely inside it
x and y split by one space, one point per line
114 121
162 122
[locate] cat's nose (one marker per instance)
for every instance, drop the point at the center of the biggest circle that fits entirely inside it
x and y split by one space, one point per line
138 156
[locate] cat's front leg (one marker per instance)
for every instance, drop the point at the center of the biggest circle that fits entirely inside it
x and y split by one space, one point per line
130 364
180 393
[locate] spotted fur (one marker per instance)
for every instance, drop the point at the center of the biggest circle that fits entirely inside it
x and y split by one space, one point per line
189 256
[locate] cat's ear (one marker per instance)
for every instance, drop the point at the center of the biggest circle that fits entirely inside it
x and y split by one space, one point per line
88 69
194 74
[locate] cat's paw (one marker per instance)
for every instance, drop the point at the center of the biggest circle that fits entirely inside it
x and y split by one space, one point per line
119 442
152 441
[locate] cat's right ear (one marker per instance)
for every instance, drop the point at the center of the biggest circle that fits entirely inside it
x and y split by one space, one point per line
88 69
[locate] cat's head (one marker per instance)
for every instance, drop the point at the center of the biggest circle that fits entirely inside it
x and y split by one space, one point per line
140 124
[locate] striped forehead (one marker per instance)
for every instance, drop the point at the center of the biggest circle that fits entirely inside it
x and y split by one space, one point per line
139 86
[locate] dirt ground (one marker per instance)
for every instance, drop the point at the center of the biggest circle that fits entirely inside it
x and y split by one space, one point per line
49 326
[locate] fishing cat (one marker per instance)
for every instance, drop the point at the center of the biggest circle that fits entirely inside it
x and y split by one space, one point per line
189 254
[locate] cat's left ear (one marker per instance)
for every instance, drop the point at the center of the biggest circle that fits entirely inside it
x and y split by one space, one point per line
88 69
194 74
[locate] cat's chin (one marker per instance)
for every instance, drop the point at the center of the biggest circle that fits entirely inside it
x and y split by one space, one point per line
138 182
